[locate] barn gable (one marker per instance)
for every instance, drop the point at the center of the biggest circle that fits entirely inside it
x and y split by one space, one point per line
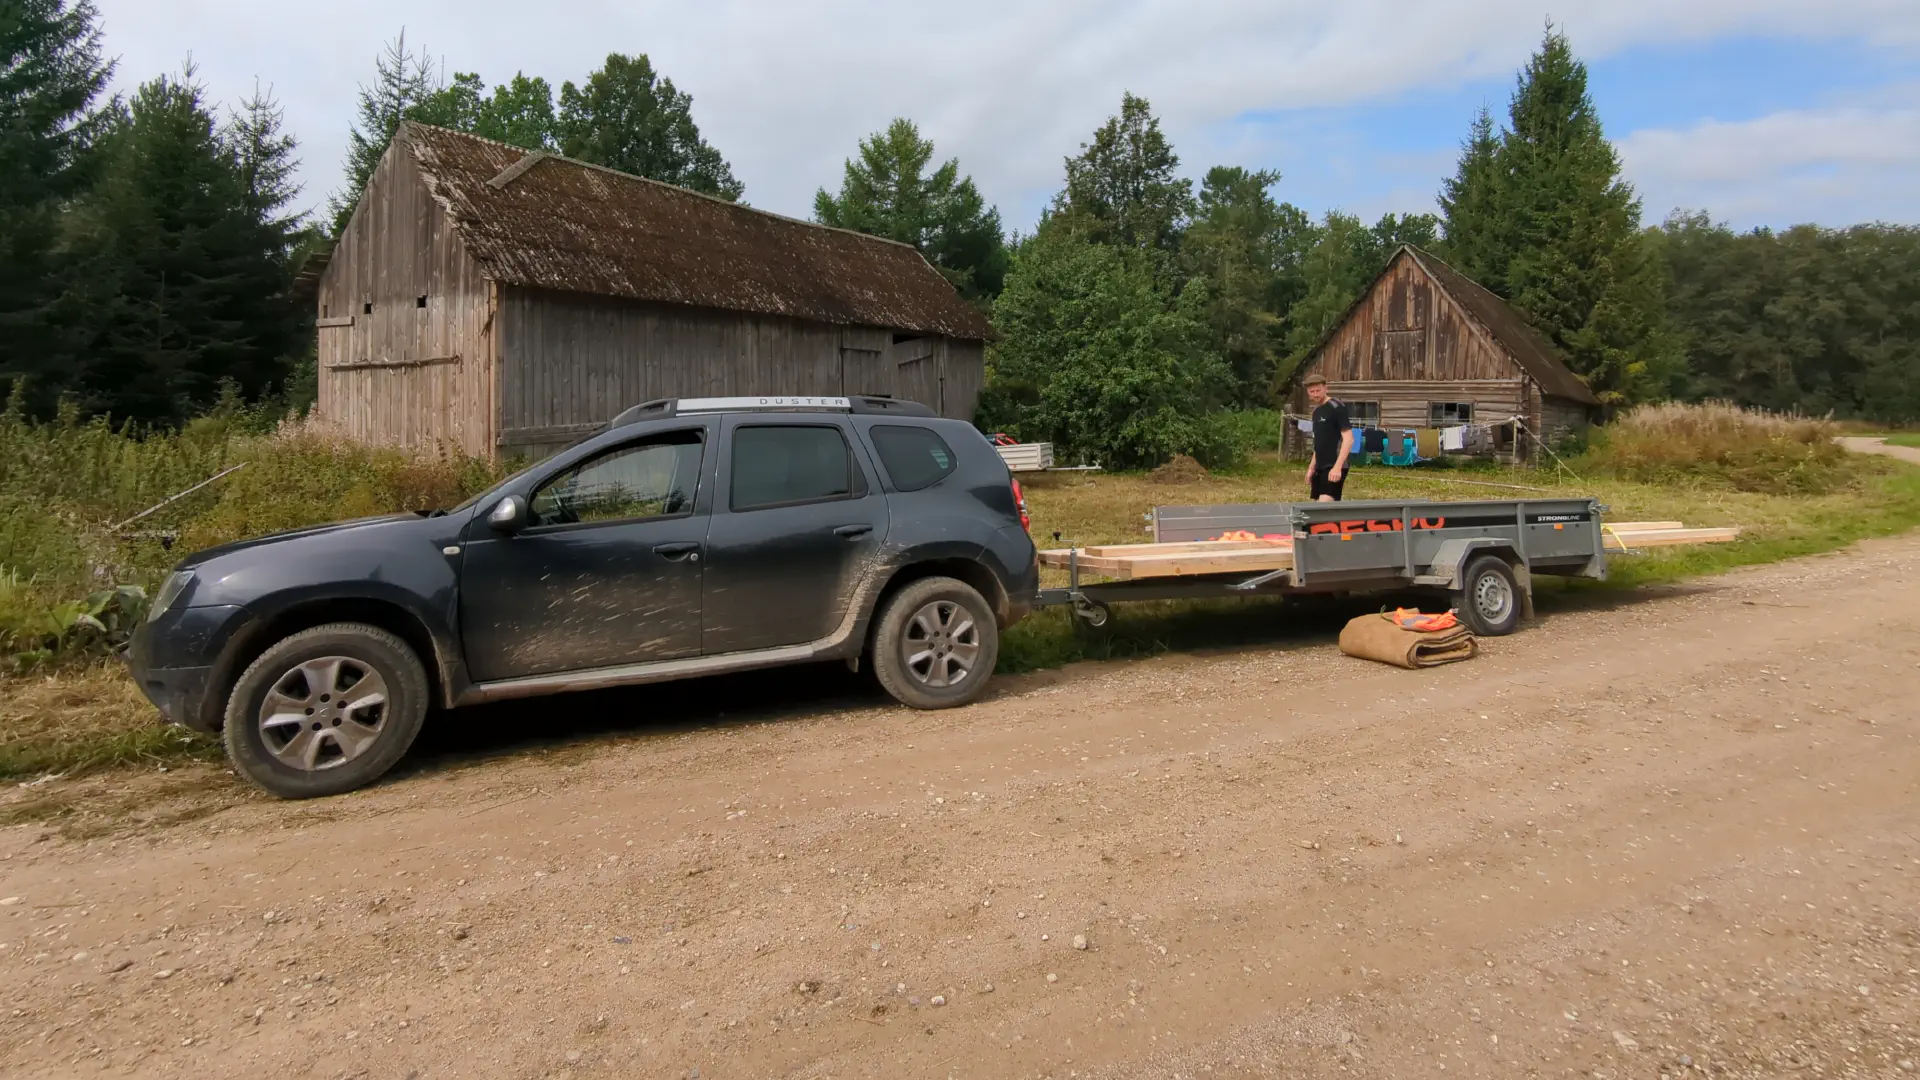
1424 346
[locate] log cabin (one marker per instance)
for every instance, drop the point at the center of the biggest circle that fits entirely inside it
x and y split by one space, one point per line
1424 346
506 302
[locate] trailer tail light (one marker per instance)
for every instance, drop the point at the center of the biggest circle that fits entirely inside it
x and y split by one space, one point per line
1020 504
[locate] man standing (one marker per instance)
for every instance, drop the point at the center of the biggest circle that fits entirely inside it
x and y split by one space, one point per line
1332 442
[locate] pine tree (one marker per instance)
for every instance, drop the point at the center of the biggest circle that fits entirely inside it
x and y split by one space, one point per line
1473 217
887 191
402 81
51 76
630 118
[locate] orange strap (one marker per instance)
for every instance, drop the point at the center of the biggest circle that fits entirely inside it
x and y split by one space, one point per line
1409 619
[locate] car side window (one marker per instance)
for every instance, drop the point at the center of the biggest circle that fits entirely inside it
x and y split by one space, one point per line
914 457
655 478
785 464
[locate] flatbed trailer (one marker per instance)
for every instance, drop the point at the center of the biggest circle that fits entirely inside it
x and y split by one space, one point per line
1483 555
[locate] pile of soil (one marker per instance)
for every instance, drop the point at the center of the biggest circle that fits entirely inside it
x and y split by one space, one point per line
1181 470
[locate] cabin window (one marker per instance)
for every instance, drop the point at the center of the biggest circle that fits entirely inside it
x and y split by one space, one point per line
420 302
1364 414
1449 412
366 308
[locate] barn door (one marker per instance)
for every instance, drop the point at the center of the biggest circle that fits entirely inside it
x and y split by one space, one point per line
919 371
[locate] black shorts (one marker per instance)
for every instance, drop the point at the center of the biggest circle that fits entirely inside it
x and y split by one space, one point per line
1323 486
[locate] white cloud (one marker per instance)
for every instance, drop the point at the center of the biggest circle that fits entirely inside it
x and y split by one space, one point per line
1832 166
1009 86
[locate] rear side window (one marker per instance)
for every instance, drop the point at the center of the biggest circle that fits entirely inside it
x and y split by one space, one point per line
779 465
914 457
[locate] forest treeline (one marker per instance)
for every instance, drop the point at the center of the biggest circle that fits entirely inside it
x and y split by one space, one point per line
149 242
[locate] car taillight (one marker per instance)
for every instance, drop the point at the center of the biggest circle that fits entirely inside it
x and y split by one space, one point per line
1020 503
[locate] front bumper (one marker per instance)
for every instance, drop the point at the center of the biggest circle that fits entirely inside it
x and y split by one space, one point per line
181 696
175 660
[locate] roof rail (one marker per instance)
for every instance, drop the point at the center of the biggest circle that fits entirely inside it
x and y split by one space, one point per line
864 404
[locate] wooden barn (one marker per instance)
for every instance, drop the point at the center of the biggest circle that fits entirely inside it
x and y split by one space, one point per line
1426 347
507 302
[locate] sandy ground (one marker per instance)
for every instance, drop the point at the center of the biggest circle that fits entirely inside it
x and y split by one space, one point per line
1673 835
1878 445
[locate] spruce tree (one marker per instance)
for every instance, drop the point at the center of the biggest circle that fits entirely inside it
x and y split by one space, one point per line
888 191
51 76
1553 228
1472 216
402 81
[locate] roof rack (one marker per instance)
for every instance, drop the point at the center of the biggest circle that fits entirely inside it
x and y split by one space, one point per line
864 404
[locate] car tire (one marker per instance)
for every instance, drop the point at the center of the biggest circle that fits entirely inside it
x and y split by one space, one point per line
293 735
935 643
1489 598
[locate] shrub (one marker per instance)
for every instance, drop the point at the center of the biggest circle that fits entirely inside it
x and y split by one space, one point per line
1723 444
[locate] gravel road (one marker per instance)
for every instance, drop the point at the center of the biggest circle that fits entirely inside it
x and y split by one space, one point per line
1677 834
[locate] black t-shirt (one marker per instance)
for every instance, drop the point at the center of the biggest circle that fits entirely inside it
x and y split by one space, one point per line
1330 426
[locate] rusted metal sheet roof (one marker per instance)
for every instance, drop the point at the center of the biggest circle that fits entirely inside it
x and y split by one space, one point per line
1528 346
566 225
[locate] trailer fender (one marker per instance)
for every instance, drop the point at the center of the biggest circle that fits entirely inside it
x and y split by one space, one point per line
1450 562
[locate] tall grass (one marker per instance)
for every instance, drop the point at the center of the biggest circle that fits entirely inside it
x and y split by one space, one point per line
1725 445
68 489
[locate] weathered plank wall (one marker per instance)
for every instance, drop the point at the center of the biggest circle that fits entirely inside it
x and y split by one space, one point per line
405 349
569 362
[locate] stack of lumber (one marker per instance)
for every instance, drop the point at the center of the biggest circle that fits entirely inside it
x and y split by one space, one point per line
1635 535
1128 562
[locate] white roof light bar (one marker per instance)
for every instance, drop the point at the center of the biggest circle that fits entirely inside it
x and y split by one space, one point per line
733 404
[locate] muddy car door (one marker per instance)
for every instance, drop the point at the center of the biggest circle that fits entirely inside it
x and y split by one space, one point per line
605 570
797 520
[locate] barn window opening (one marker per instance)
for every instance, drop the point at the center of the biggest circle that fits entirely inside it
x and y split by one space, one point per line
323 311
1364 414
420 302
366 308
1449 412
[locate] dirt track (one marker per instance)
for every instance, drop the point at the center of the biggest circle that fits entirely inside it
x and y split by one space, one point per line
1681 832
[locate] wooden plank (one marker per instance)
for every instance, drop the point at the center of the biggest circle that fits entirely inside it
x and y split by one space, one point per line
337 320
1671 537
1176 564
1186 547
428 361
1643 526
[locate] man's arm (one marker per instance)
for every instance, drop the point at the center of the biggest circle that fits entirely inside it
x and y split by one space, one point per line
1346 447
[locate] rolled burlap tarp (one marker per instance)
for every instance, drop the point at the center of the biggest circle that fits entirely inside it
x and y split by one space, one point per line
1376 637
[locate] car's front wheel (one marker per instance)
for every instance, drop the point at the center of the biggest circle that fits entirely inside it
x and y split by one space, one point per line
935 644
326 710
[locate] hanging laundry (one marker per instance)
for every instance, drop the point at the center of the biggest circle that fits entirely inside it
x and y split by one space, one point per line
1357 438
1376 441
1453 438
1427 442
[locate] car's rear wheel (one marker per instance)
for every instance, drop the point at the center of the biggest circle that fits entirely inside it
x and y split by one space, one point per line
326 710
935 644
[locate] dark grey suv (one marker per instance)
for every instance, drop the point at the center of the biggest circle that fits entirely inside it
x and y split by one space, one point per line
690 537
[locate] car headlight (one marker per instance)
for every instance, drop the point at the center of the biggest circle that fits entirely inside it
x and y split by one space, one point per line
170 591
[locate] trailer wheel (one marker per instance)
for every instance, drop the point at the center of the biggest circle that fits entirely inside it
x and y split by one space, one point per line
1489 597
1093 613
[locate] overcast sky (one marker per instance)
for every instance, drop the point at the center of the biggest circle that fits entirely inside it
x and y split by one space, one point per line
1764 112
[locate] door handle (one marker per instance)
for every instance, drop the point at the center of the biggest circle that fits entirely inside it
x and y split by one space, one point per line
852 532
678 550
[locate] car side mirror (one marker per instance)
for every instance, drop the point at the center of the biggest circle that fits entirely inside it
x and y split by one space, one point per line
508 516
